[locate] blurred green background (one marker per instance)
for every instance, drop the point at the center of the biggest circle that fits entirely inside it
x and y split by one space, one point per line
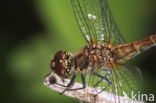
33 30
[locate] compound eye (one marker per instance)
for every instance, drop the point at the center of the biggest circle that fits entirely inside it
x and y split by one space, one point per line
57 64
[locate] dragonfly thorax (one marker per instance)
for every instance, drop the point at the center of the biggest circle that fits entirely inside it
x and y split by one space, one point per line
96 56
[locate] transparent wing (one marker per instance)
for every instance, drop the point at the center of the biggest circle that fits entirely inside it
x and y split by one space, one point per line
125 81
96 22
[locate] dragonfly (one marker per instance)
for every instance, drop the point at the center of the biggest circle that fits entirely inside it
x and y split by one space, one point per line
101 63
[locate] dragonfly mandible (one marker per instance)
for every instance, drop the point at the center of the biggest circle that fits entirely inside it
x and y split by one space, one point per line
101 62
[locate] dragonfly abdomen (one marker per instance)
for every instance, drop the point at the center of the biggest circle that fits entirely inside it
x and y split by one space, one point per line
125 52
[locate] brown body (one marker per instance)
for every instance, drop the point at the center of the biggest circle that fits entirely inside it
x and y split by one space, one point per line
93 55
102 55
125 52
98 56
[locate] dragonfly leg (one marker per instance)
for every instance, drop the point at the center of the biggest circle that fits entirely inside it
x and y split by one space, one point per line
102 78
105 87
72 80
69 84
83 81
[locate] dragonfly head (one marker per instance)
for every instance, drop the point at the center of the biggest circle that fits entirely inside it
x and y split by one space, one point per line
62 63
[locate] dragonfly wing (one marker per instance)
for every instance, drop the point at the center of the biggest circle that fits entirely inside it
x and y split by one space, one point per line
96 22
125 80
